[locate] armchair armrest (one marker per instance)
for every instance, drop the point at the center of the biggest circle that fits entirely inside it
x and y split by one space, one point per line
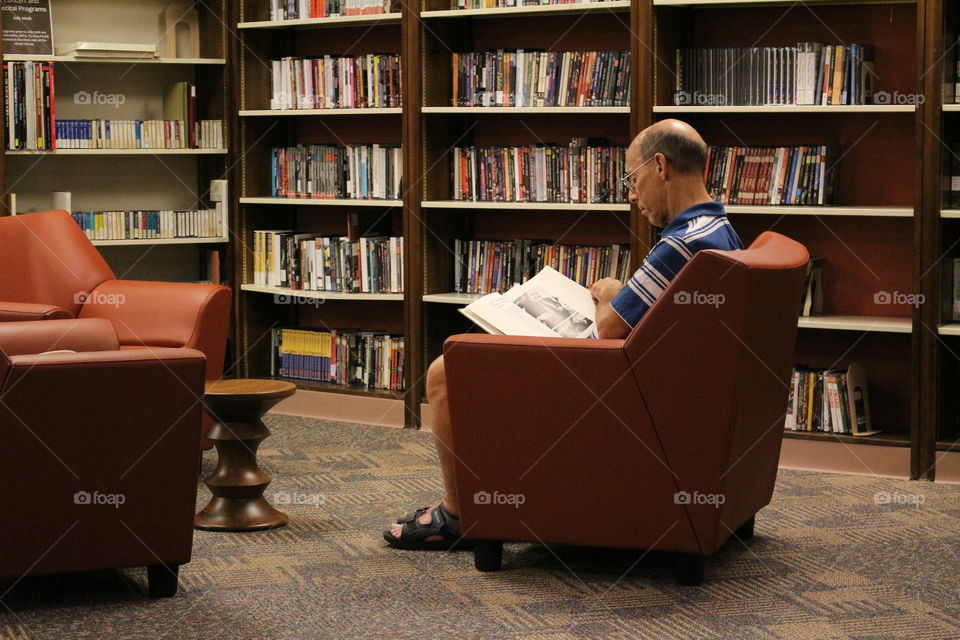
17 338
542 417
120 423
165 314
20 311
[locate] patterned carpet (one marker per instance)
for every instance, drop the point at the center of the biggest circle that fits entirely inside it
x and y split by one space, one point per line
828 562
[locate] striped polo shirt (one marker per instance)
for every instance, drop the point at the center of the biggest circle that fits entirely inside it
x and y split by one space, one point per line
702 226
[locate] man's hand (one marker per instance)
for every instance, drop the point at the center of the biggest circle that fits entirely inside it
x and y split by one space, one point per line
604 290
609 322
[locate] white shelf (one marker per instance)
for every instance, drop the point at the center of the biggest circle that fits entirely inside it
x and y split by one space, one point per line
331 21
790 108
951 107
539 206
18 57
951 329
319 295
451 298
325 202
136 243
573 7
321 112
950 213
567 110
857 323
120 152
795 210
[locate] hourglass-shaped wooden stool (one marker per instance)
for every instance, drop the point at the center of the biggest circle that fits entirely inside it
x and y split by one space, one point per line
237 484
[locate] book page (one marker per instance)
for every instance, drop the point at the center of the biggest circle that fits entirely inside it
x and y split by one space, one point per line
549 304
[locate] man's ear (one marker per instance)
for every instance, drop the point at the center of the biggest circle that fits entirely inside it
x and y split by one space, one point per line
663 168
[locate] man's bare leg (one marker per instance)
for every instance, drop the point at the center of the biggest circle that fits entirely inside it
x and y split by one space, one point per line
440 410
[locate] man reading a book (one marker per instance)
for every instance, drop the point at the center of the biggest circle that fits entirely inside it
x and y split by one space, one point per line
666 163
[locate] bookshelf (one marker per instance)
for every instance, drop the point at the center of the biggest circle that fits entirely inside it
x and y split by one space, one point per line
886 230
261 128
131 179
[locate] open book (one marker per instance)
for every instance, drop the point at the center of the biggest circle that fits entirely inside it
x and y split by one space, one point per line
548 304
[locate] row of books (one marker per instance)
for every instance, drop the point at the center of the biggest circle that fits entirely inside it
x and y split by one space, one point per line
344 357
524 78
336 82
151 225
771 175
806 74
494 4
328 171
29 111
487 266
310 262
579 172
302 9
831 401
138 134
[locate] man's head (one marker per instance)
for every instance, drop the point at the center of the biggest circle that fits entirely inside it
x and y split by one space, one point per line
665 164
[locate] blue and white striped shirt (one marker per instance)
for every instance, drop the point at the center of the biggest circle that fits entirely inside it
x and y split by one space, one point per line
702 226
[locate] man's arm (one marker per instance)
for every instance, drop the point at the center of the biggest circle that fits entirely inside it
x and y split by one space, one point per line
609 322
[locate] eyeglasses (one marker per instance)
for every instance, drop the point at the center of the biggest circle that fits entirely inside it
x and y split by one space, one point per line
627 180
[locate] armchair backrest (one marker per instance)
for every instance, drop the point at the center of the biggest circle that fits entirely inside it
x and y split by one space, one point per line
48 259
712 359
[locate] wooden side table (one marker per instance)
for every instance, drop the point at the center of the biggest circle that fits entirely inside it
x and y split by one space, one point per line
237 484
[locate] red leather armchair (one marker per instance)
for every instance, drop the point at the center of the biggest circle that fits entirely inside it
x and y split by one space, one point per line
667 440
99 452
50 270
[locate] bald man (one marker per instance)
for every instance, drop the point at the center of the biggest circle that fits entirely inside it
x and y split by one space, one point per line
666 163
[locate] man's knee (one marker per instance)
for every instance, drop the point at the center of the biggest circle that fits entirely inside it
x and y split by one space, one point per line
436 376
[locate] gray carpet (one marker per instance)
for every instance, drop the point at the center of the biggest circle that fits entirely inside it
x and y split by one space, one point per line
827 562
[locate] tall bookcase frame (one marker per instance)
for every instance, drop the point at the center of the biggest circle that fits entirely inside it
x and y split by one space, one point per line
921 418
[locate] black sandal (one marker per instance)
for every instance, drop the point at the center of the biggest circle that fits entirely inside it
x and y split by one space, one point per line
413 515
414 536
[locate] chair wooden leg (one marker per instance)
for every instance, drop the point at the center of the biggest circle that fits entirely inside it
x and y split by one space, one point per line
745 532
689 569
487 555
162 579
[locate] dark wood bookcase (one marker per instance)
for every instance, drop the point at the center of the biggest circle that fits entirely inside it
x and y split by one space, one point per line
889 229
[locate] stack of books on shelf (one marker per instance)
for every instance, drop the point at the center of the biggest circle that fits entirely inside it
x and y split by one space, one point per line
138 134
487 266
830 401
336 82
310 262
771 175
810 73
578 172
343 357
151 225
301 9
360 171
492 4
525 78
29 110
